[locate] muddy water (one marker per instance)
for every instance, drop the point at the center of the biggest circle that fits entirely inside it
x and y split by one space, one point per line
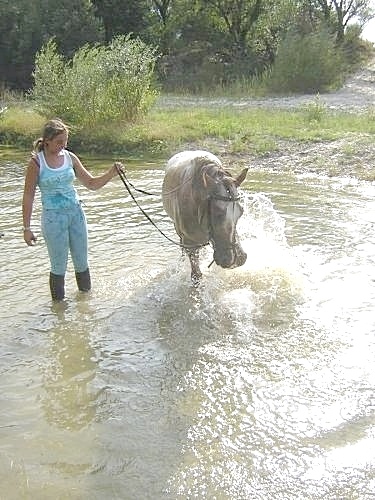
260 384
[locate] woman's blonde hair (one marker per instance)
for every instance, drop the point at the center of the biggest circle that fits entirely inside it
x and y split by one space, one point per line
50 130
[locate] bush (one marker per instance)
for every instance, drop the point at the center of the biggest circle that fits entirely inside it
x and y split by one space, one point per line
315 111
307 63
101 84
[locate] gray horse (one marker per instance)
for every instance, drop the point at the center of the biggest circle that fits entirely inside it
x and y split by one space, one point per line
202 200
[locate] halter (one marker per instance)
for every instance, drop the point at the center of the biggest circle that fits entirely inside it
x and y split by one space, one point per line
219 197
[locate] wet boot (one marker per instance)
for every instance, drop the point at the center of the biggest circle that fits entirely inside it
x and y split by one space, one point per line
57 286
84 280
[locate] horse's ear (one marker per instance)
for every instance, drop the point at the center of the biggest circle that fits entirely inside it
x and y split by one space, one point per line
241 177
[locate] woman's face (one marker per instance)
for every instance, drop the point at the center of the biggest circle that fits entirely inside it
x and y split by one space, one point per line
58 143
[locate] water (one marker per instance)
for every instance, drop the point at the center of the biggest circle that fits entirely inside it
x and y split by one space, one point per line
258 385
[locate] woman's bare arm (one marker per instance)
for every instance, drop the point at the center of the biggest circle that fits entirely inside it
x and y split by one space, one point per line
93 182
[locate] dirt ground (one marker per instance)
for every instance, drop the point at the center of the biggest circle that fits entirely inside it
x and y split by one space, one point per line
351 156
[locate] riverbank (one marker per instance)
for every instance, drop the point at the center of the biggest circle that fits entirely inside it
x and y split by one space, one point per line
294 133
352 154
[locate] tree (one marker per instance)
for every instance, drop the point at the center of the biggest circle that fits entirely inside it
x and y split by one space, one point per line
338 13
271 28
26 25
72 23
213 42
239 17
162 9
122 17
18 41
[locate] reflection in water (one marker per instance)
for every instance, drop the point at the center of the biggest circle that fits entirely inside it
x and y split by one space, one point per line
69 403
258 384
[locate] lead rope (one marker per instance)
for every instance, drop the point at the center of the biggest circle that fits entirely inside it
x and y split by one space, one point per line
126 183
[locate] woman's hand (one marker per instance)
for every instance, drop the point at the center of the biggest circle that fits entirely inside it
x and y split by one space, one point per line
29 237
119 167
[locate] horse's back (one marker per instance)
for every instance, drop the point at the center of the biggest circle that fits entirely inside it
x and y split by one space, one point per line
179 173
187 160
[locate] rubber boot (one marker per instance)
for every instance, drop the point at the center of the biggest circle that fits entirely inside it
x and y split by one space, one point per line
57 286
84 280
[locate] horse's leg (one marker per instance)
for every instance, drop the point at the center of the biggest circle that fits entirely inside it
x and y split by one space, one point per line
196 273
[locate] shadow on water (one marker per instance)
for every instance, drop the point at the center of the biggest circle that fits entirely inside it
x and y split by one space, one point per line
68 401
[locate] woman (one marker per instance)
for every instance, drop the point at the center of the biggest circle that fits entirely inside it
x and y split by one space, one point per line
54 169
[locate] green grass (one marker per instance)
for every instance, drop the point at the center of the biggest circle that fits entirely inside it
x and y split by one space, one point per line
255 129
20 126
164 130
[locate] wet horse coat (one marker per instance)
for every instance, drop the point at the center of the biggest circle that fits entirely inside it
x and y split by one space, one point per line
202 200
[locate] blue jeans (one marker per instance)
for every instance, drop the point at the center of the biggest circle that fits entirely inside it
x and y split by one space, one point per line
65 230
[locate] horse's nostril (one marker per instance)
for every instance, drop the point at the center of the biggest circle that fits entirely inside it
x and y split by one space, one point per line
242 259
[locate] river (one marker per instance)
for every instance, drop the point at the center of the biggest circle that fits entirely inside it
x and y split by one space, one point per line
259 384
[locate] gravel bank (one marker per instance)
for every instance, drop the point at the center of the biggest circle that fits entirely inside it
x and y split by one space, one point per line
352 156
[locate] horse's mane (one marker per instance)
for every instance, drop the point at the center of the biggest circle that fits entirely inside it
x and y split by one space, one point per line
205 165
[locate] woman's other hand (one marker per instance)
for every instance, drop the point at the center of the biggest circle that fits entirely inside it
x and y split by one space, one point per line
29 237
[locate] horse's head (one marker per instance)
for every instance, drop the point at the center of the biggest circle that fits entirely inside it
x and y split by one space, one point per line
223 212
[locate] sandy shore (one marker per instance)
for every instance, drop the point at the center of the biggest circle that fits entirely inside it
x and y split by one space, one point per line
351 156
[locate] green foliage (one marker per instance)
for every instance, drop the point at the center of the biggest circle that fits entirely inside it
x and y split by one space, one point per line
20 126
356 50
307 63
71 22
50 80
25 25
338 15
204 43
101 84
315 111
122 17
3 110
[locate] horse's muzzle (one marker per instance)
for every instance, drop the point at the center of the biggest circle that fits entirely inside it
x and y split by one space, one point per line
229 258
